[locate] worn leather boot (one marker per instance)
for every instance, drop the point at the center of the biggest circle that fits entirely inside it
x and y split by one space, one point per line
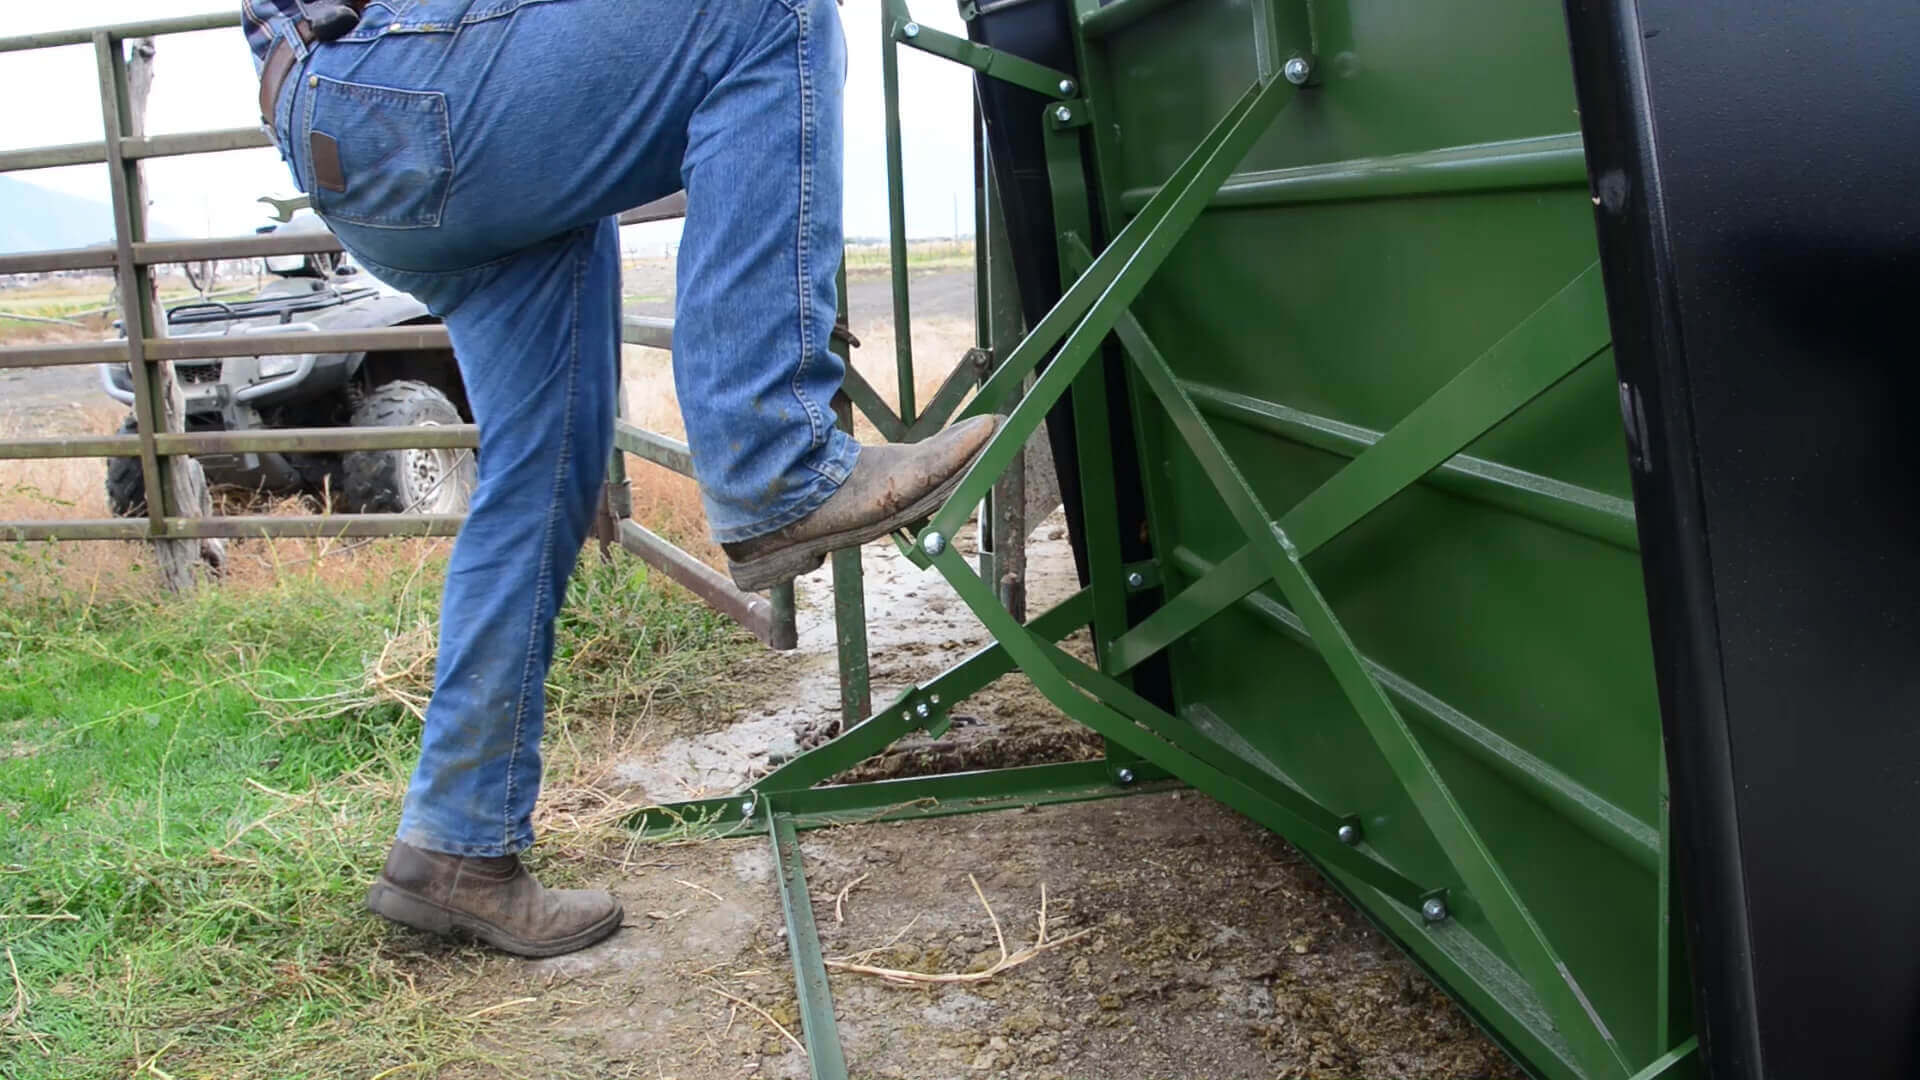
892 485
494 899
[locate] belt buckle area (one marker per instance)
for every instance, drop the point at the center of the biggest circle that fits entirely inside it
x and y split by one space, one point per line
273 74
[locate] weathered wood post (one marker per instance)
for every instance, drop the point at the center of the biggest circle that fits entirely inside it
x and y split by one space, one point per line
186 481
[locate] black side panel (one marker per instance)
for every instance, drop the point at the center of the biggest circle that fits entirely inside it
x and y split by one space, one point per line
1757 169
1036 30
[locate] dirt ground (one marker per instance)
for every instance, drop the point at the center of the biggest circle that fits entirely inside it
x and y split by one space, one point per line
1208 948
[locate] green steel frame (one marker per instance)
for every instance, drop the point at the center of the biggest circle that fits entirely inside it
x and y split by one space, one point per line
1550 1020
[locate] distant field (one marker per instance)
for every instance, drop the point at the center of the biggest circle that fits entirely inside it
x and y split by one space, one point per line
74 309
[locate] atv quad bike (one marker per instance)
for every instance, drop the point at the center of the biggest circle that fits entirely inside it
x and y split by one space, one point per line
380 389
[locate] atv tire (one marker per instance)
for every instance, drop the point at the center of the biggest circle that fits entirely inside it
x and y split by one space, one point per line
126 484
407 481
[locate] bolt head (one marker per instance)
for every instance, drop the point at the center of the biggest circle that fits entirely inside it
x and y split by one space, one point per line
1349 835
1434 910
922 711
1135 580
933 543
1125 776
1062 113
1297 71
911 30
746 808
1067 88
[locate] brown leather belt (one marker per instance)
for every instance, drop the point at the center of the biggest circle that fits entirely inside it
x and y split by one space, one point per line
273 73
280 60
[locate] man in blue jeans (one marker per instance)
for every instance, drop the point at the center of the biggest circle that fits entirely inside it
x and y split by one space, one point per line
475 153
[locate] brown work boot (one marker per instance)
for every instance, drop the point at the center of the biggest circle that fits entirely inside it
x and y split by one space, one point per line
494 899
892 485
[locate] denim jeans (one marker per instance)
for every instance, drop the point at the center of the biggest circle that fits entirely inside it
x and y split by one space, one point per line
474 153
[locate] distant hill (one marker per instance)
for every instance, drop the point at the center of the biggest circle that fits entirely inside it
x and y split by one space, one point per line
33 218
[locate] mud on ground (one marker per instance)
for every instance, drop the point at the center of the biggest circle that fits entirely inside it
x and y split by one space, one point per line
1209 950
1208 947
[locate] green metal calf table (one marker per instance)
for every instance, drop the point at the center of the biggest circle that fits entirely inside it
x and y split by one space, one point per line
1371 520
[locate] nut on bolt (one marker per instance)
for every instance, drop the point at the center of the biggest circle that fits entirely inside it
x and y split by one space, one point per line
1125 776
1298 70
911 30
1136 579
746 807
1434 909
933 543
1062 113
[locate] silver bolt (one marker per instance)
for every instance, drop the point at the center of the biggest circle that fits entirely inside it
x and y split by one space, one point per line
1135 580
1067 88
746 808
1434 910
1125 776
922 711
1063 114
911 30
1298 71
1349 834
933 543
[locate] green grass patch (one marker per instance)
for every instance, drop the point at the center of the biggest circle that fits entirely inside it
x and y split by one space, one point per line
195 792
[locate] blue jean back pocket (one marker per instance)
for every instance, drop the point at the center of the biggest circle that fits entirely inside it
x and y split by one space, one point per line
388 154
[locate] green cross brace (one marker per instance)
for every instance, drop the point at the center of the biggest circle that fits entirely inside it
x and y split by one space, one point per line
990 62
1506 913
1046 667
1521 366
1101 295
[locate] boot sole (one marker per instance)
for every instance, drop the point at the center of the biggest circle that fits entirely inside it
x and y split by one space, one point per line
780 567
391 902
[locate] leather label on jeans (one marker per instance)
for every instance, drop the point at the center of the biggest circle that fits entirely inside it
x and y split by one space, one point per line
324 152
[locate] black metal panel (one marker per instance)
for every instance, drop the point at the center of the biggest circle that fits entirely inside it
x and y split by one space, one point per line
1035 30
1754 166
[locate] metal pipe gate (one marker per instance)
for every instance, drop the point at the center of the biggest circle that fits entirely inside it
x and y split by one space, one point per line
132 256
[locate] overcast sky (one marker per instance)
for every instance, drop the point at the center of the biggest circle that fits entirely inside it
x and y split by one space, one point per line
205 80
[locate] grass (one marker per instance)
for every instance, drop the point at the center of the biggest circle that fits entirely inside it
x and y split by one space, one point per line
196 791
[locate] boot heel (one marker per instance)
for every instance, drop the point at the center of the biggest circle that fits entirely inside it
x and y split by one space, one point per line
408 910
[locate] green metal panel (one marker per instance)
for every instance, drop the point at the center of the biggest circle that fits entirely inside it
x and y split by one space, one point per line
1420 201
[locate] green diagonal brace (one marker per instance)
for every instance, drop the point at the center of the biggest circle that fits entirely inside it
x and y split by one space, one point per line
1553 342
1045 665
863 396
964 377
1507 914
1103 293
